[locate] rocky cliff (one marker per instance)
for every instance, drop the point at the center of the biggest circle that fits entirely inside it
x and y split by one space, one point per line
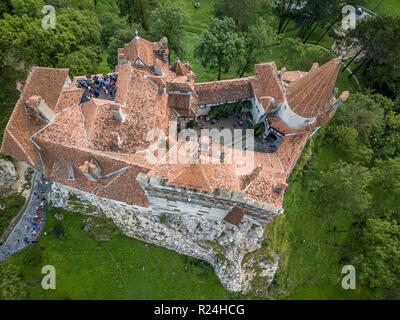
8 176
223 245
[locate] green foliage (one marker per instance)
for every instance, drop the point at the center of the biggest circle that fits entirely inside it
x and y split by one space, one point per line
243 12
343 189
191 124
291 49
258 40
5 7
363 113
385 189
219 45
197 266
136 11
379 37
12 204
378 257
169 20
348 144
11 286
33 258
31 8
74 40
226 110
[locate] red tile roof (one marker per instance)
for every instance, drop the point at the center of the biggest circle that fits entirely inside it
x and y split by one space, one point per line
80 133
68 97
310 95
46 83
235 216
223 91
267 82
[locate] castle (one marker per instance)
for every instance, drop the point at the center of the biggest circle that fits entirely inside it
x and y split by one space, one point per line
96 147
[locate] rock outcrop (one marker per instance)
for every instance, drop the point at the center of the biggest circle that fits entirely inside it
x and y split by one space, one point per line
8 176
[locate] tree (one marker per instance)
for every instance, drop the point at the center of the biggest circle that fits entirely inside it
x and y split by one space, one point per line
136 11
291 49
31 8
26 41
285 11
111 25
83 61
378 256
5 7
363 113
169 21
317 13
347 142
258 40
243 12
379 38
343 189
386 189
219 45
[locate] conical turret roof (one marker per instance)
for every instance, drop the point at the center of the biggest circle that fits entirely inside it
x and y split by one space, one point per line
310 95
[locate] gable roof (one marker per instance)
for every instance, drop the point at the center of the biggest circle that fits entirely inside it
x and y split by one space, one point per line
267 82
223 91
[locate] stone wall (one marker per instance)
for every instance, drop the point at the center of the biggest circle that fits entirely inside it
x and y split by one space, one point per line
223 245
166 198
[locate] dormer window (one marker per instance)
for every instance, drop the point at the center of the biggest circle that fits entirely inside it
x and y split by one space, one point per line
91 170
158 70
139 62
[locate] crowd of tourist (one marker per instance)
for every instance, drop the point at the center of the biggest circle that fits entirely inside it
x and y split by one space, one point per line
28 230
97 85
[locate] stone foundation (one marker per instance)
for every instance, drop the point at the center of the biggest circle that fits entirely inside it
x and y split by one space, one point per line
221 244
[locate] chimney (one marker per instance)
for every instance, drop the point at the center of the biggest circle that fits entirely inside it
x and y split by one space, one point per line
119 114
281 72
117 140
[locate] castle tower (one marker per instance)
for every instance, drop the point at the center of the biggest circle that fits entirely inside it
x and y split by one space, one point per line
310 96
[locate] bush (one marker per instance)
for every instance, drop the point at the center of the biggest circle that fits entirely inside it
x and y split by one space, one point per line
228 109
59 231
198 266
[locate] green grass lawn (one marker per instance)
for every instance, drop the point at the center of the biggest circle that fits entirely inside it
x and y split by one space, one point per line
90 269
391 7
